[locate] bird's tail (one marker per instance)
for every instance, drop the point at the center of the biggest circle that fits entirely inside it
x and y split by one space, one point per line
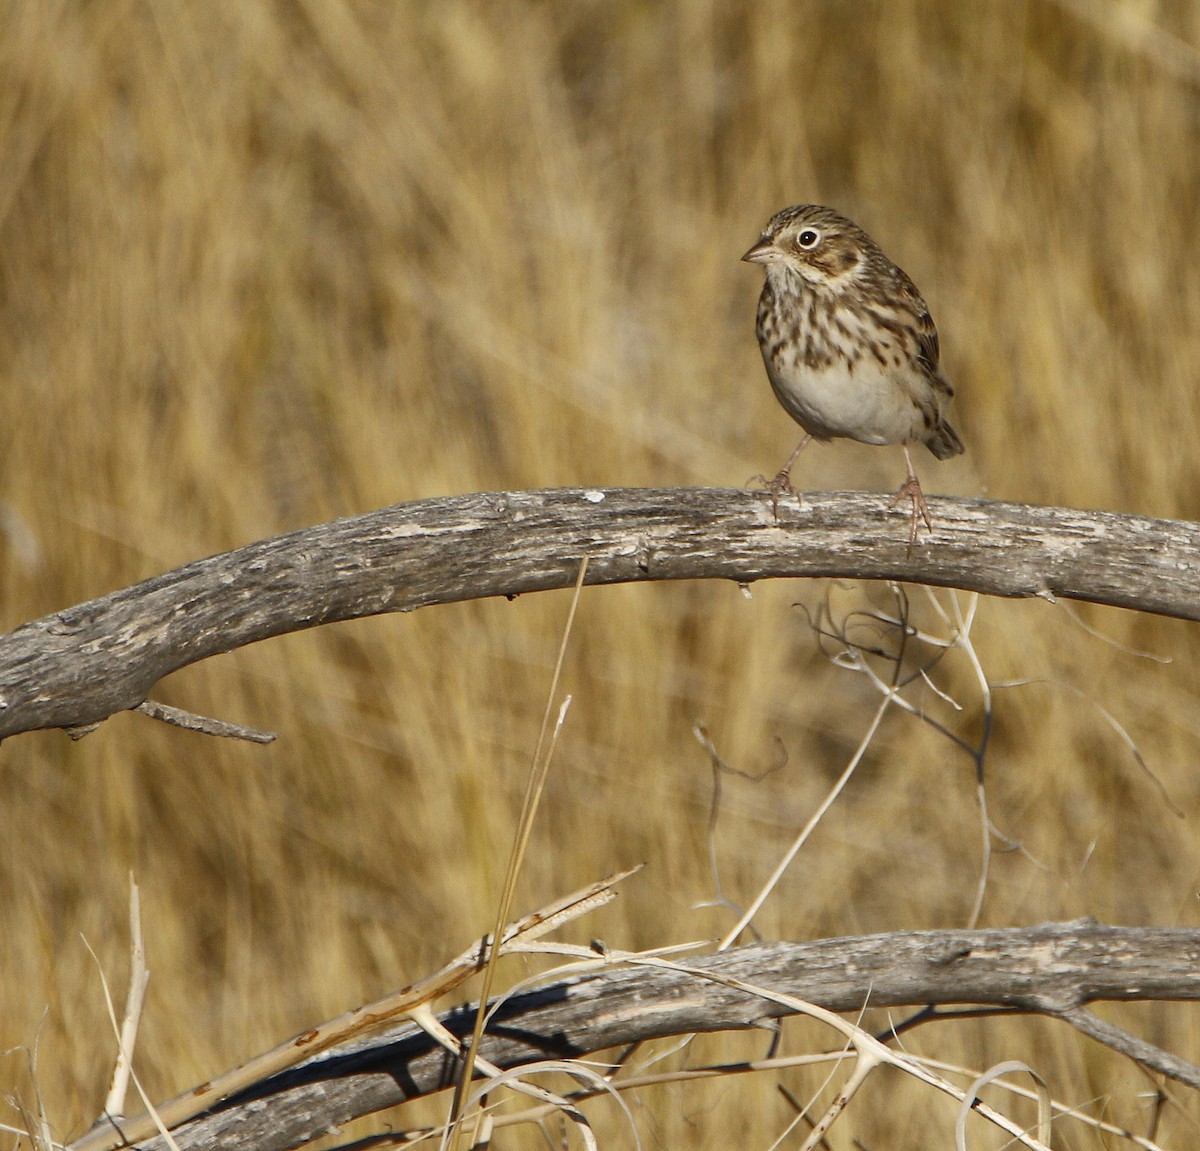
944 442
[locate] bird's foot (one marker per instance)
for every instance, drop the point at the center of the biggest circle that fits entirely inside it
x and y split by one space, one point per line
776 487
782 483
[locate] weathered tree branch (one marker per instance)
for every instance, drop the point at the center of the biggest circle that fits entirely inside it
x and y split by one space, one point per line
1051 969
83 664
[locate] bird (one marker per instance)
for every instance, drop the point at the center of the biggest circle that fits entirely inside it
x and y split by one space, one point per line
849 345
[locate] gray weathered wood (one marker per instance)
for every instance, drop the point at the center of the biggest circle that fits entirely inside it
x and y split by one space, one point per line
1051 969
83 664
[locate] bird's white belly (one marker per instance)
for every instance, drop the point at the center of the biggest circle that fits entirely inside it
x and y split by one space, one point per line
860 403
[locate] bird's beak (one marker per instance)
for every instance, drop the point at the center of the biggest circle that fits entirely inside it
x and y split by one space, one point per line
762 253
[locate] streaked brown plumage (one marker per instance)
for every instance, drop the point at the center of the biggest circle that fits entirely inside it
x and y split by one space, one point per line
848 343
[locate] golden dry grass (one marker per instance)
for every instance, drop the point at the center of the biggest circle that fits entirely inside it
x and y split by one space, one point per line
266 264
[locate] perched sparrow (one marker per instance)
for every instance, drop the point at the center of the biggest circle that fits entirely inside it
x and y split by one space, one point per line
849 344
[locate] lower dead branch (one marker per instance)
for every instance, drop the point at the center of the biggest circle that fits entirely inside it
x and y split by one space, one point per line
1041 970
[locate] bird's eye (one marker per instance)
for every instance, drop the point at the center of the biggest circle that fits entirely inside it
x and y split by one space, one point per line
808 239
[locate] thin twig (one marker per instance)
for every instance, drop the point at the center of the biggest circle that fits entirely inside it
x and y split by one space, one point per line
1129 1045
206 725
800 840
535 784
139 977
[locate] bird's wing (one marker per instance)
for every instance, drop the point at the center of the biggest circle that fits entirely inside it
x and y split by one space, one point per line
927 338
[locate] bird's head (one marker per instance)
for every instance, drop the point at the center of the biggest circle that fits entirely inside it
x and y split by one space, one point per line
816 243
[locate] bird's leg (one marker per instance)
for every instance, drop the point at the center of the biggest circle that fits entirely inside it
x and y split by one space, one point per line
911 490
782 483
783 478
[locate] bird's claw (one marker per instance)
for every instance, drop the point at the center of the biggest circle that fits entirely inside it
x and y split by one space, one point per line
911 490
776 487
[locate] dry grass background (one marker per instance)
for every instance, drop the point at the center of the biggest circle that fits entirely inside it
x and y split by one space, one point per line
266 264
